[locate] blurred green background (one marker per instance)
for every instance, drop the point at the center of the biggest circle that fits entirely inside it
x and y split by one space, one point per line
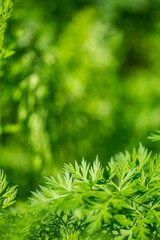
84 80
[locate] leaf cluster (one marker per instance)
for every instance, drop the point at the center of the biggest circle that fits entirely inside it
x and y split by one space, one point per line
6 7
7 194
119 201
7 199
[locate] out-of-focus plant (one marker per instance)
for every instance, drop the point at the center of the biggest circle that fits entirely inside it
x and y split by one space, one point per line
155 137
5 12
7 194
7 128
6 7
7 199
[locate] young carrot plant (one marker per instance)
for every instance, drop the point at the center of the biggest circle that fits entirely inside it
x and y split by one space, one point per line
119 201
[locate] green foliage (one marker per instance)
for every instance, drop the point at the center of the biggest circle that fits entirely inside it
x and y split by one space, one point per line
56 226
72 90
155 137
7 199
7 194
6 7
66 80
119 201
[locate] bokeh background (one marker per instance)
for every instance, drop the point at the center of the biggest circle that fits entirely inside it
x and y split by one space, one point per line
84 80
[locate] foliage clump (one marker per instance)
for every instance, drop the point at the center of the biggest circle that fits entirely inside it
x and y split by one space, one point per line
7 194
6 7
119 201
7 199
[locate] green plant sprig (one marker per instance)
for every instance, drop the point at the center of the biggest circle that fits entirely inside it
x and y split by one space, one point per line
6 7
120 201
